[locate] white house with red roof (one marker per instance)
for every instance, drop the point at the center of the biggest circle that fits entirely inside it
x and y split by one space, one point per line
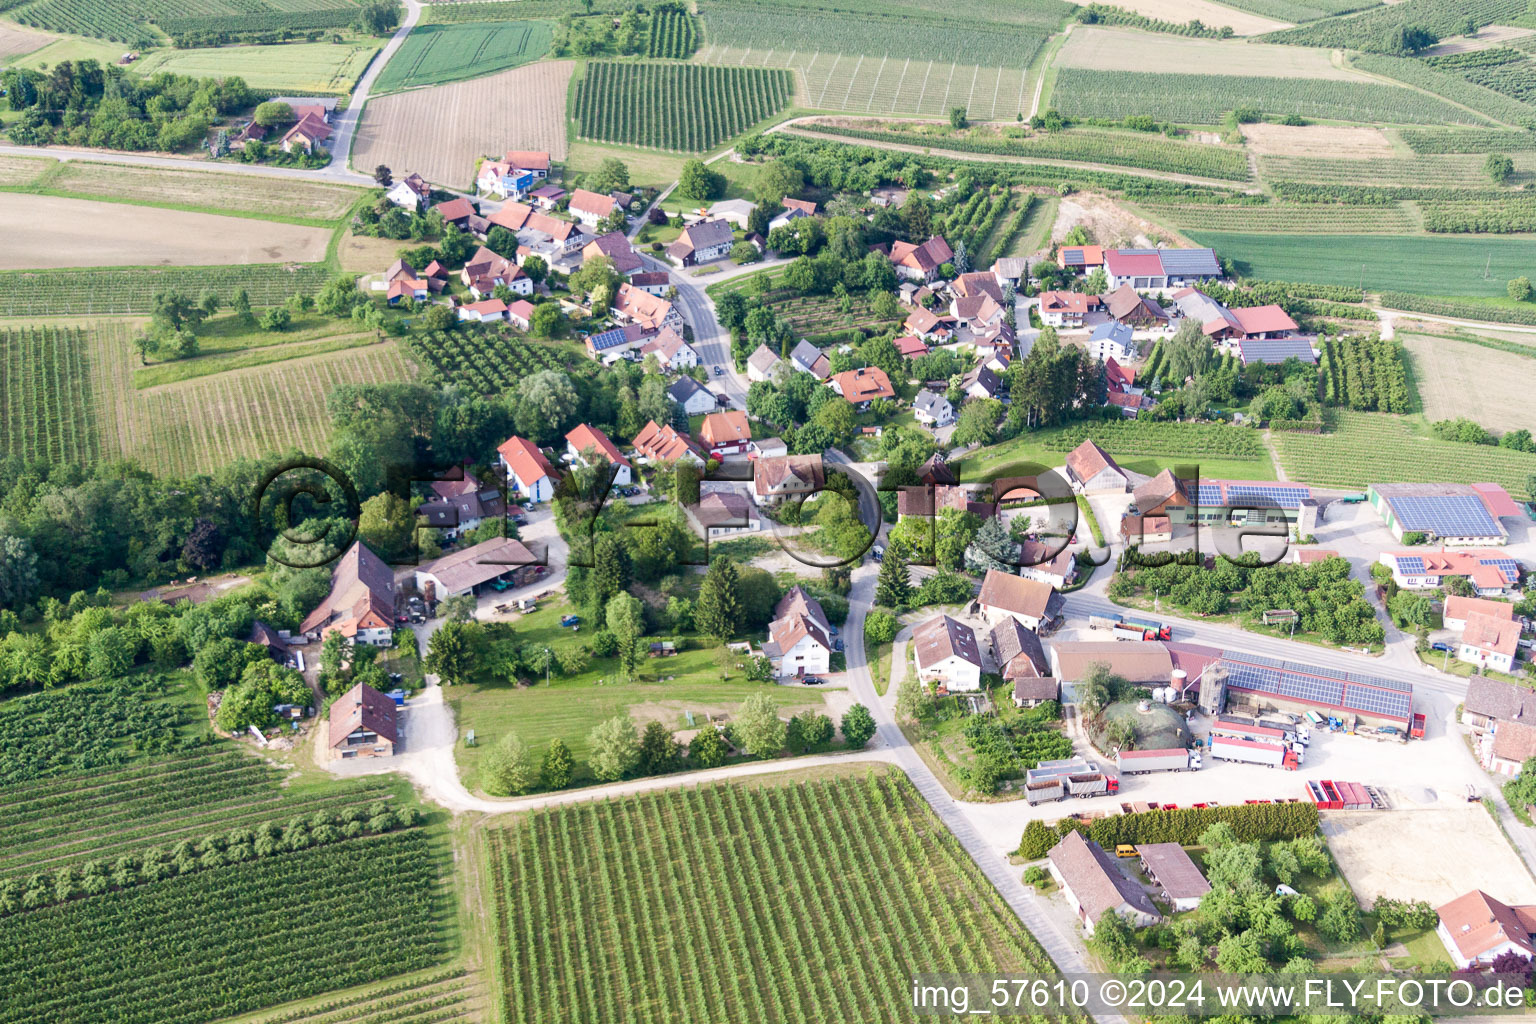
520 314
920 262
1067 309
527 471
409 192
1489 641
670 350
862 386
591 208
587 438
309 134
487 268
637 306
1477 929
656 443
1491 573
799 637
483 312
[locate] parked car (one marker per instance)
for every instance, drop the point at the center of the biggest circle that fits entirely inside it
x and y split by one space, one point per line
719 371
1437 646
570 620
811 680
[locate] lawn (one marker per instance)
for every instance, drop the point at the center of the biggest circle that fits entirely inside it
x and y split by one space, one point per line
1428 265
646 167
301 67
1176 444
791 899
435 54
664 690
71 49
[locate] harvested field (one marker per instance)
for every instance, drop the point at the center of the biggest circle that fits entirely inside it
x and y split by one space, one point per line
1452 850
1456 378
16 41
47 231
1323 140
1090 46
301 67
1486 38
440 131
245 193
1181 11
202 424
21 170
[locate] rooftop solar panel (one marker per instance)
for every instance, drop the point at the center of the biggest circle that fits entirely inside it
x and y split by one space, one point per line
1444 515
608 339
1410 564
1184 262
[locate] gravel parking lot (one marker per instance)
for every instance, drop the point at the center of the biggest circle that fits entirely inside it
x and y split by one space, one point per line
1433 854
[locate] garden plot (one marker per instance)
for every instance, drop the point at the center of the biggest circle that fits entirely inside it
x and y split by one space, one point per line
439 132
889 85
1431 854
47 231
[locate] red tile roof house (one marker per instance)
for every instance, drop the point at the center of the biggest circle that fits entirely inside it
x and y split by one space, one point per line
1090 470
309 134
1458 609
799 637
656 443
1031 602
1094 885
862 386
361 602
778 477
702 242
483 312
911 347
1492 573
458 506
920 262
534 229
520 314
1265 322
634 305
456 211
614 245
528 472
1489 642
670 350
590 208
362 724
1477 929
588 438
1067 309
928 326
726 433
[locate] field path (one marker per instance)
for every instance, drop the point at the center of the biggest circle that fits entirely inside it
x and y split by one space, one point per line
346 121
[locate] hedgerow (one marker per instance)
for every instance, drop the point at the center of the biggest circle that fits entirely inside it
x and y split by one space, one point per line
1252 823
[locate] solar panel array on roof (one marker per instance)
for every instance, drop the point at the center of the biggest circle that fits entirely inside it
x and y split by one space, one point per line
1508 566
1276 350
1410 564
1217 493
1189 262
608 339
1445 515
1072 257
1375 695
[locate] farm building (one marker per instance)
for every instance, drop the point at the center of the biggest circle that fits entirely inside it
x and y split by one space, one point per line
1477 929
1465 515
1033 603
361 602
1272 351
735 212
1227 502
585 438
1095 886
362 724
1171 870
1090 470
1080 258
1147 663
1153 270
528 472
483 312
946 654
1131 308
1017 650
1135 529
468 570
799 637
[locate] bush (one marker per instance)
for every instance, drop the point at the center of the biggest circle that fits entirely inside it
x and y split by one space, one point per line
879 627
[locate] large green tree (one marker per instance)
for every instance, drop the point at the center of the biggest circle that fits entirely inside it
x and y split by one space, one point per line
718 611
615 749
894 586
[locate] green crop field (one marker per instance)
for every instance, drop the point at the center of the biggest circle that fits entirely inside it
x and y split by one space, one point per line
1204 99
672 34
1367 448
43 374
684 107
1284 218
434 54
230 936
1453 86
125 21
116 290
296 67
1121 148
1429 265
1502 216
1458 170
1371 30
734 903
